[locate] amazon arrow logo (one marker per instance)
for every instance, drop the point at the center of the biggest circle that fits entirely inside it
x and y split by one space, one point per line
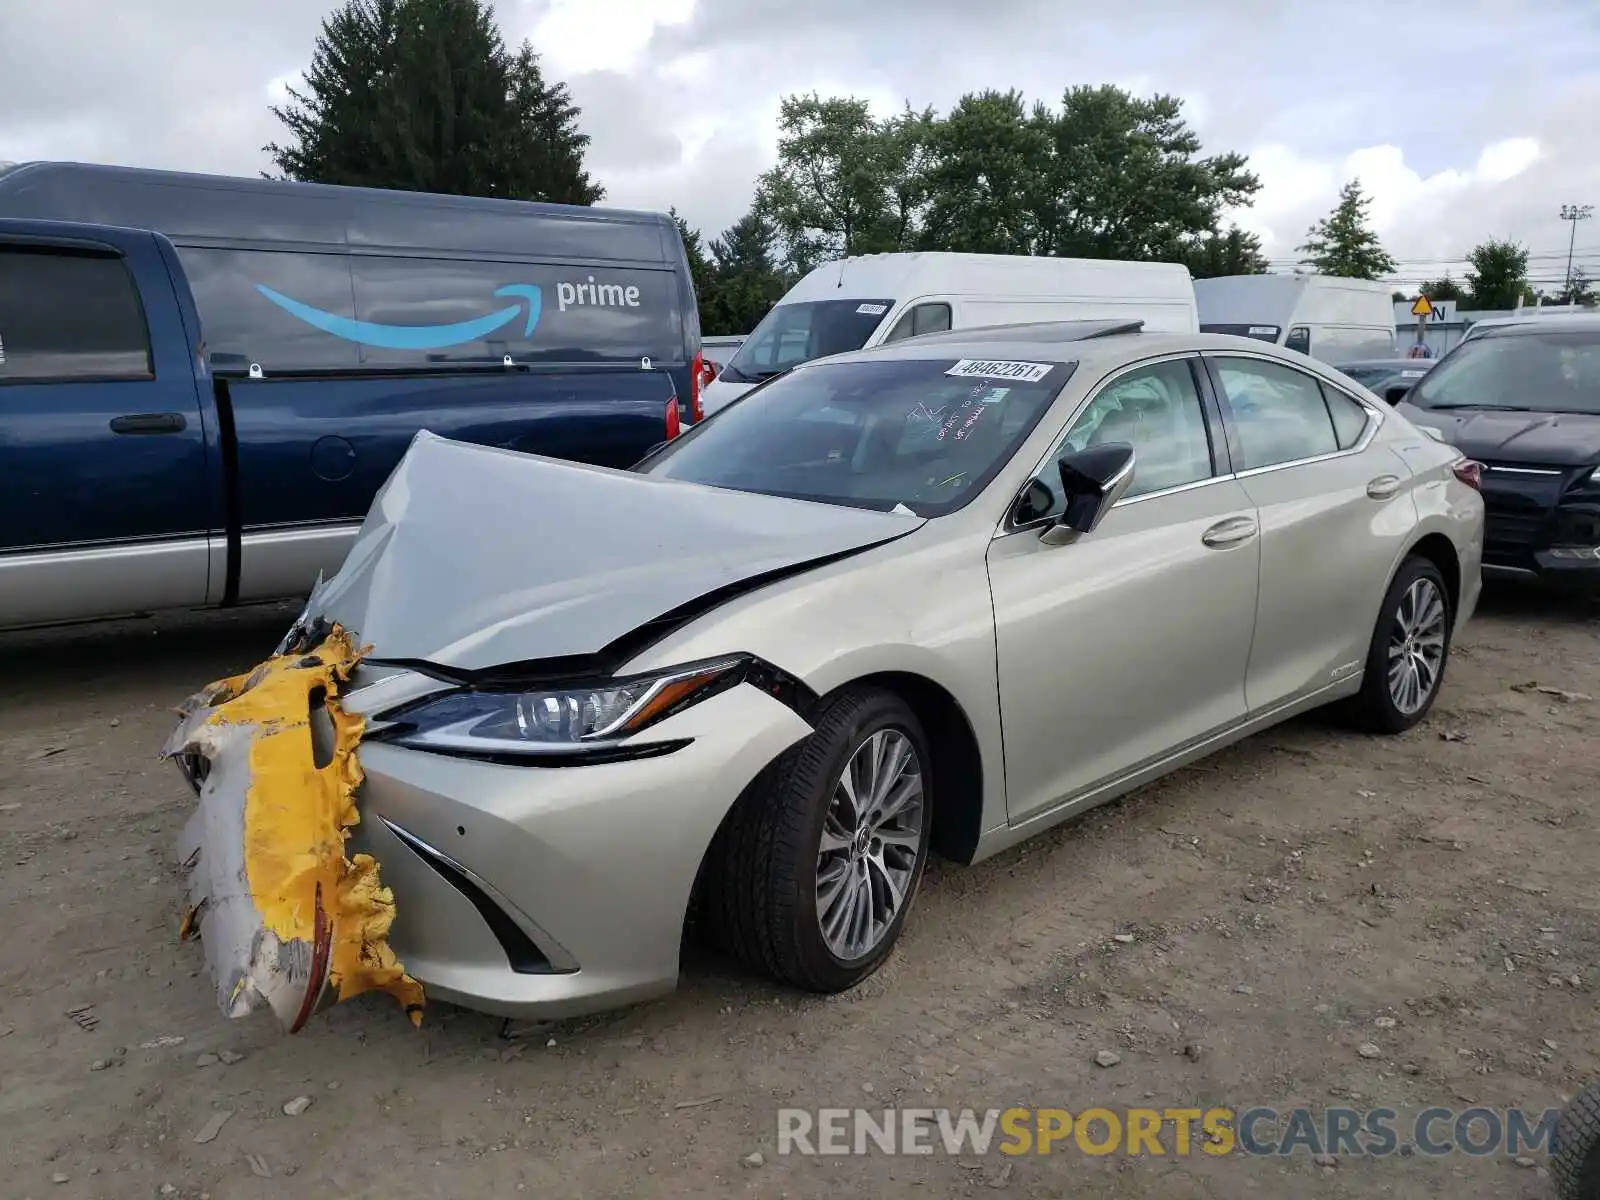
414 337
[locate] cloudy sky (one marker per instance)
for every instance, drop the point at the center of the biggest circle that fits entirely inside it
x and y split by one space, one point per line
1465 120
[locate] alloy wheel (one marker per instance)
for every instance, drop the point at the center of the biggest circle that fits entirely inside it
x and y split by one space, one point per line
1416 646
871 837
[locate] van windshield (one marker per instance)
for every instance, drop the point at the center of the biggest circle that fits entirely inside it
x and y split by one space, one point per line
1262 333
795 333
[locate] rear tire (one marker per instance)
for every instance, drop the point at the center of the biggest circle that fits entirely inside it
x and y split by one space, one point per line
1575 1163
1409 651
762 896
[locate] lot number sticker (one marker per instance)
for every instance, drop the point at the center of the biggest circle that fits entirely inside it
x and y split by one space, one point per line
872 310
1020 372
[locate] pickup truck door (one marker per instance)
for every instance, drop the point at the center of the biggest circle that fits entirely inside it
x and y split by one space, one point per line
106 503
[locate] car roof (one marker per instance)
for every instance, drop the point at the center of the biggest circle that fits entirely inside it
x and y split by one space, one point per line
1086 342
1559 322
1408 363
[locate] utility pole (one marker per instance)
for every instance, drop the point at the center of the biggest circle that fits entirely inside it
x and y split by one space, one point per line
1574 213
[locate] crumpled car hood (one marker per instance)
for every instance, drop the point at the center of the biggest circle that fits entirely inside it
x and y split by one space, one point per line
473 557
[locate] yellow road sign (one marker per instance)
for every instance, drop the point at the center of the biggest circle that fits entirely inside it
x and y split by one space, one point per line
1422 308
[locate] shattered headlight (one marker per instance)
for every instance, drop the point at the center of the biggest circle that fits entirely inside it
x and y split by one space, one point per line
557 718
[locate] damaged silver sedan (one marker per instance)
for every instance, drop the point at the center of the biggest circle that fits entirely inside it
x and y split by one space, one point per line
938 597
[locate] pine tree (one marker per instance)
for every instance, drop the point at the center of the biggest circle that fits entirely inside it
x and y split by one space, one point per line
423 95
701 272
1343 244
748 279
1233 253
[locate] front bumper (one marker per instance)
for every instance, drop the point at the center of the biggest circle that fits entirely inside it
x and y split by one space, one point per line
1532 536
551 892
1579 577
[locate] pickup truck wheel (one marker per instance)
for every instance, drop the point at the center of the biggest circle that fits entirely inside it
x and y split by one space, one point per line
1408 653
816 868
1575 1162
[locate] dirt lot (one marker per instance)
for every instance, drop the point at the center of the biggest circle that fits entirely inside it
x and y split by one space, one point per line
1434 895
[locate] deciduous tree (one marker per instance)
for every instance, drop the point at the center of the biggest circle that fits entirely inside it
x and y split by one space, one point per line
1127 179
1443 289
1498 277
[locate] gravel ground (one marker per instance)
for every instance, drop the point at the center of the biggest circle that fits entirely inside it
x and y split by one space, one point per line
1235 935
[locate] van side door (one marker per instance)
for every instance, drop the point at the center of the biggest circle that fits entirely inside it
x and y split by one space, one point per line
104 500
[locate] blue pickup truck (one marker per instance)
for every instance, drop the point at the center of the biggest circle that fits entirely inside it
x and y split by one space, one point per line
204 381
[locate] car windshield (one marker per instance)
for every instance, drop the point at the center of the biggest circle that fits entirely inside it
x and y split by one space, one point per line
920 435
1262 333
1546 370
795 333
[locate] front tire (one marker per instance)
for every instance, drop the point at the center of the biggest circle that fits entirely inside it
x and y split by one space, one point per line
1409 651
816 868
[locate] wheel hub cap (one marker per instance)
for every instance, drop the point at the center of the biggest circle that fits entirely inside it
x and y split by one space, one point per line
871 838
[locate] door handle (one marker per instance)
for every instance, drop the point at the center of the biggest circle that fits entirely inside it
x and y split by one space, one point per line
1230 532
1383 487
149 423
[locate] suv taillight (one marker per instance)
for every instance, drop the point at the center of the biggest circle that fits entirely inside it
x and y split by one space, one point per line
1469 472
674 423
697 382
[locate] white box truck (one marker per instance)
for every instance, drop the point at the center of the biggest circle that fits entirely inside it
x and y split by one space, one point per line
874 299
1331 319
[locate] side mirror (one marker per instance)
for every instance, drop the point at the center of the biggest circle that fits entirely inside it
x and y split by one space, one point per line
1396 393
1092 481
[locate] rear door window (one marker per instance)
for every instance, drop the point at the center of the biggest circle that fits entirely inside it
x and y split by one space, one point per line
1280 413
69 315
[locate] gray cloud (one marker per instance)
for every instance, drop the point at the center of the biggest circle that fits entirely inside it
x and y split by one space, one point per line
681 111
624 121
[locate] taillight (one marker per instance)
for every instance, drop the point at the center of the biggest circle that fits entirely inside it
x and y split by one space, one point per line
674 424
697 381
1469 472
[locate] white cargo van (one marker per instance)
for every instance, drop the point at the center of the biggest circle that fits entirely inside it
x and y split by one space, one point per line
1332 319
879 298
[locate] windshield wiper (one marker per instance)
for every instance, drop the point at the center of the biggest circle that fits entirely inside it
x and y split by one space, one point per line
1484 407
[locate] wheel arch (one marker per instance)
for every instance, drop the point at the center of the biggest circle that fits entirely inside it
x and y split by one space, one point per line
958 795
1438 549
957 760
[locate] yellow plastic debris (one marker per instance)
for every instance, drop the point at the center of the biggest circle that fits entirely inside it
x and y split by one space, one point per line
284 914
